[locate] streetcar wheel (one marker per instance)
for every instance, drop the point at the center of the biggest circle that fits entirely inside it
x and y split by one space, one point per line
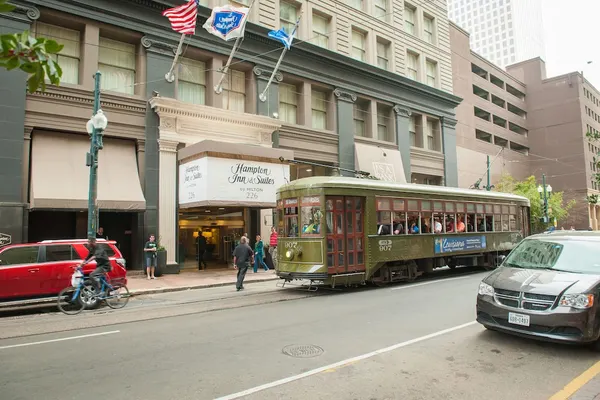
117 297
68 303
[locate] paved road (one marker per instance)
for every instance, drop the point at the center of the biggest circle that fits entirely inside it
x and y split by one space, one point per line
399 342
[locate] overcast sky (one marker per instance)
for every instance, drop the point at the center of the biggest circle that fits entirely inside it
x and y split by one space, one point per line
573 37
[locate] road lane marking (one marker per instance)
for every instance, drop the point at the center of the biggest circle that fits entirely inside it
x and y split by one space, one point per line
577 383
330 367
432 282
58 340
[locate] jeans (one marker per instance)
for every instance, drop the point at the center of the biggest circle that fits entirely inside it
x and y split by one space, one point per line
259 258
242 269
96 275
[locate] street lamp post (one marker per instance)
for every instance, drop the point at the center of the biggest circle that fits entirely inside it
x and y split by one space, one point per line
544 191
95 128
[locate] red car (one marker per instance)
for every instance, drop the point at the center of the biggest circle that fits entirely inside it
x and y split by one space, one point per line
43 269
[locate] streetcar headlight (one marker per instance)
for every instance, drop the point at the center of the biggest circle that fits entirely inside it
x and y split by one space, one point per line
579 301
289 254
485 289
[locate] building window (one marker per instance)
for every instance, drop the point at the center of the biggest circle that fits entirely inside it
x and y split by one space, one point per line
319 109
431 145
412 65
117 65
191 81
381 9
432 73
68 59
359 41
361 110
428 28
234 91
288 15
383 120
410 16
412 130
383 55
320 27
288 103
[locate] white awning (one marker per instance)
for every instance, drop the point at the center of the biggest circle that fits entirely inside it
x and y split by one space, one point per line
60 178
383 163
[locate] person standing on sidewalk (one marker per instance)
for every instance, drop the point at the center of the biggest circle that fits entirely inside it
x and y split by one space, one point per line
273 245
259 254
201 251
242 258
150 256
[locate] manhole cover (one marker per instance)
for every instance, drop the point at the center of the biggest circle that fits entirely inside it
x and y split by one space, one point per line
302 350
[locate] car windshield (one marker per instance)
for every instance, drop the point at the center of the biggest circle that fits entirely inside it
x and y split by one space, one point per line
578 256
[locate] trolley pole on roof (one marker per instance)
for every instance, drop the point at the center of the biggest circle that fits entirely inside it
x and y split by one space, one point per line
488 187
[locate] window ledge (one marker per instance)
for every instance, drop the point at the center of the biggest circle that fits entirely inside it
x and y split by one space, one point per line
373 141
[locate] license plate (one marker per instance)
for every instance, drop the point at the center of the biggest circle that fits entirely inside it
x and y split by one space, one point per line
518 319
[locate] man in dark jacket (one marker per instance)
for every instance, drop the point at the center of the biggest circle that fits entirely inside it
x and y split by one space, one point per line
243 257
98 254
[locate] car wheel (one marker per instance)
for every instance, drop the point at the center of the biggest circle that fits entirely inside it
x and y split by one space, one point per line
595 346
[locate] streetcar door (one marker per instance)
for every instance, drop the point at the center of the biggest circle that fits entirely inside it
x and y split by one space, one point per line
345 234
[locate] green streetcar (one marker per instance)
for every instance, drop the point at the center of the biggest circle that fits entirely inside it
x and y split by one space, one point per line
346 231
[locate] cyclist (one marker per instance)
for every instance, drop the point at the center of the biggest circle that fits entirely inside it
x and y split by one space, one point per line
102 263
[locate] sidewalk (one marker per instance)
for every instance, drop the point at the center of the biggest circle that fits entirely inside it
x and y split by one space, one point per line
139 284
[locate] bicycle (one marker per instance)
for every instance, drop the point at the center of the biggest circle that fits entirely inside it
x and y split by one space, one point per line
82 292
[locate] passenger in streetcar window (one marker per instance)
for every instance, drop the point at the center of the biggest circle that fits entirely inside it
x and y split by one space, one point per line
398 227
489 223
480 224
383 229
425 228
460 225
437 225
470 222
414 227
450 224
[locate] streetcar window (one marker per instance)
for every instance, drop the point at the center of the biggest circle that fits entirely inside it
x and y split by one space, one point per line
438 223
460 223
513 210
383 205
384 222
481 223
280 218
413 205
470 208
399 205
450 207
290 216
450 223
460 207
471 222
311 216
413 223
437 206
489 209
512 220
399 219
479 208
505 222
425 205
497 209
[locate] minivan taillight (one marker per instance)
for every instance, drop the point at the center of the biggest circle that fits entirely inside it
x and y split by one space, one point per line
121 262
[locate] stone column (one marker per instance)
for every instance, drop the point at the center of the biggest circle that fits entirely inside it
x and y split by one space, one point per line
159 57
13 207
449 149
345 129
403 137
141 160
26 162
371 120
305 105
91 55
167 198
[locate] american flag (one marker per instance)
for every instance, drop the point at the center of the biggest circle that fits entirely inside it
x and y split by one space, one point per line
183 18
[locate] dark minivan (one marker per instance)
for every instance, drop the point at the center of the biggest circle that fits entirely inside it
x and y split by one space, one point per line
547 288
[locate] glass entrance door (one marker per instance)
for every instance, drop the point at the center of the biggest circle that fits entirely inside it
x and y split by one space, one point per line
345 234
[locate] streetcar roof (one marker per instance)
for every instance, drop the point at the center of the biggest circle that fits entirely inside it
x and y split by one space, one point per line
372 184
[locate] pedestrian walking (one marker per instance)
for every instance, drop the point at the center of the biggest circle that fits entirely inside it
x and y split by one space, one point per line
201 251
242 258
259 254
150 256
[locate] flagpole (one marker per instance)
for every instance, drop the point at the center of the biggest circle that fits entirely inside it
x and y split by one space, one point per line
236 45
263 95
169 76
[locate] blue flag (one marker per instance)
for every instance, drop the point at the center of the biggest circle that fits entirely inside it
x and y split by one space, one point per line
283 37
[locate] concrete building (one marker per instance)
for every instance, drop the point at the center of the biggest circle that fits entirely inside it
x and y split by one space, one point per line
367 85
492 118
561 110
502 31
528 124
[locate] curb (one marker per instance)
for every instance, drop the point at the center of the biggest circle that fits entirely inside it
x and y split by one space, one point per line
183 288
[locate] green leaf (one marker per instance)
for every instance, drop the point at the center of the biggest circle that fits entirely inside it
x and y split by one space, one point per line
28 67
12 63
33 83
5 8
52 47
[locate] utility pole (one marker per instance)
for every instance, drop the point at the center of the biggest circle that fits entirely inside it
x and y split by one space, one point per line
95 128
544 191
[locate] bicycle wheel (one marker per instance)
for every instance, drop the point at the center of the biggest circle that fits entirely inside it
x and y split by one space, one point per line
117 297
69 301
